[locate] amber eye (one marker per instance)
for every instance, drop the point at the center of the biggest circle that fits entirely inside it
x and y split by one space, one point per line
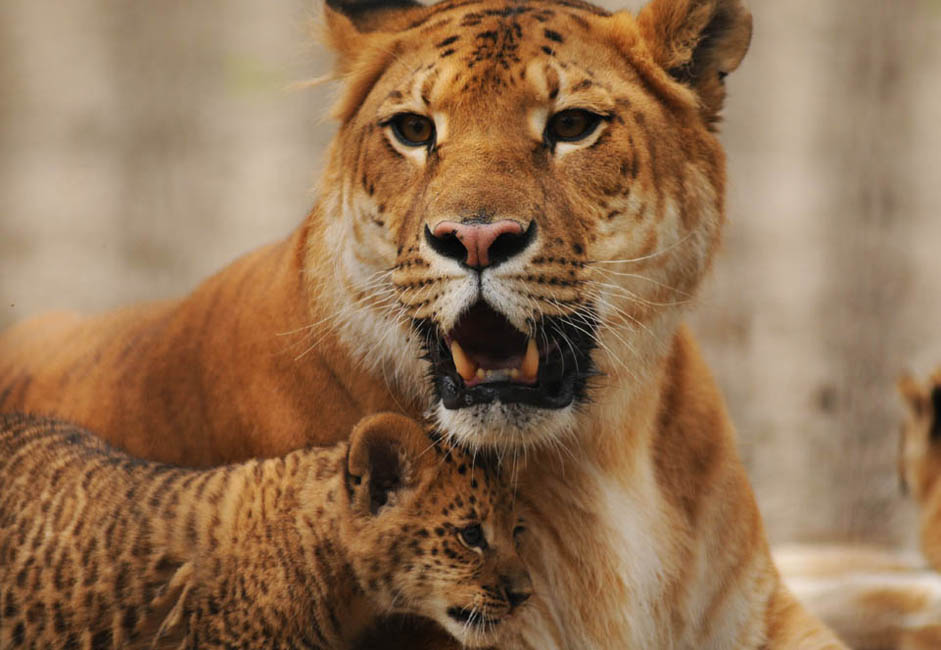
472 537
413 130
571 125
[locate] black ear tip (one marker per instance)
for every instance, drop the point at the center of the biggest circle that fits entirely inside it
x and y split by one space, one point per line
356 7
936 412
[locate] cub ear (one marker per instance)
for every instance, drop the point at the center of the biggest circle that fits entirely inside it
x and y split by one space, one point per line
698 42
386 452
936 412
912 393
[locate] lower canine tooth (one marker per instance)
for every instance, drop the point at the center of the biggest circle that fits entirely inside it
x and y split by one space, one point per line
481 373
530 366
465 367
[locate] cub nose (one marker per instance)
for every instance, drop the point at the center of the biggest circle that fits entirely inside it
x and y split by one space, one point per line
479 245
517 588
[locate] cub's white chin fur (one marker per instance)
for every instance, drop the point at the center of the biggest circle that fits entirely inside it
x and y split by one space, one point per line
505 427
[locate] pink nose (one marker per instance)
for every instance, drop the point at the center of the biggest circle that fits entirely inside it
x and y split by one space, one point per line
477 238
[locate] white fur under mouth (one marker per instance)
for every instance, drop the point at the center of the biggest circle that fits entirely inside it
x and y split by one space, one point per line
505 427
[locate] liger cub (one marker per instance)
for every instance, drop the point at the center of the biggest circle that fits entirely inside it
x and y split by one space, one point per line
520 201
878 599
101 550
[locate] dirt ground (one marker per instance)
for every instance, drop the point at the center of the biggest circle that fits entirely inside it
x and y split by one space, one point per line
144 145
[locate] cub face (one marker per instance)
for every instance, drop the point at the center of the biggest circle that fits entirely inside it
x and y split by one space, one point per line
919 462
522 194
432 531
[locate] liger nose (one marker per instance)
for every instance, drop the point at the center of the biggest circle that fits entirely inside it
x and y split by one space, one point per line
479 245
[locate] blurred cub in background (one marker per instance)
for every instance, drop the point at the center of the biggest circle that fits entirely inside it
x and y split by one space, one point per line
875 598
920 458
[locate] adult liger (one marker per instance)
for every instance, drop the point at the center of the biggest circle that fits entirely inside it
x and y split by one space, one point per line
521 197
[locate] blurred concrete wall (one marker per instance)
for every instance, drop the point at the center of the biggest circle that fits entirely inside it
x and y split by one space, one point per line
144 145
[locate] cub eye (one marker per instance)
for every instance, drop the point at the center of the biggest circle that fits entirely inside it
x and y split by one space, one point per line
571 125
413 130
519 530
472 537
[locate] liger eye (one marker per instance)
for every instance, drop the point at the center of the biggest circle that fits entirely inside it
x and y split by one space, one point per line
413 130
472 536
571 125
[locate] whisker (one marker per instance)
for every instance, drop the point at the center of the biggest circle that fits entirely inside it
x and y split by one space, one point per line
645 257
640 276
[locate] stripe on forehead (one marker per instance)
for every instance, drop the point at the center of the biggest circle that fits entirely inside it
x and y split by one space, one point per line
472 12
492 38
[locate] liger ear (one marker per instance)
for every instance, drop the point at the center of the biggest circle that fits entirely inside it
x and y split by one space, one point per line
372 15
349 23
386 453
698 43
364 34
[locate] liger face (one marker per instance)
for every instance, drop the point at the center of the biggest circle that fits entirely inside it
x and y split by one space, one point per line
522 211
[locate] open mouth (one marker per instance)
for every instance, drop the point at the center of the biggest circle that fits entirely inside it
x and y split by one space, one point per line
471 617
485 359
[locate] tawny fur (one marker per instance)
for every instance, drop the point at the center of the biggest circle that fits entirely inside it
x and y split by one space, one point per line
874 598
878 599
645 532
100 550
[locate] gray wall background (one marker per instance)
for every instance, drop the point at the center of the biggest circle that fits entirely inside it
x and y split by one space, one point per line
145 144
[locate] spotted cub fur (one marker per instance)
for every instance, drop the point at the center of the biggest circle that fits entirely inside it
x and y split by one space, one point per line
100 550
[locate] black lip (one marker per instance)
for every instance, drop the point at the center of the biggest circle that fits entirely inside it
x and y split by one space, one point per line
470 617
565 365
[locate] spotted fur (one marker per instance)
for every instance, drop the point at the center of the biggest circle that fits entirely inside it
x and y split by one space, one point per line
100 550
644 531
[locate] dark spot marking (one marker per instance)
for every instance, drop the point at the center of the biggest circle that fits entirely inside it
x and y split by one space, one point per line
447 41
548 50
554 36
101 640
129 620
